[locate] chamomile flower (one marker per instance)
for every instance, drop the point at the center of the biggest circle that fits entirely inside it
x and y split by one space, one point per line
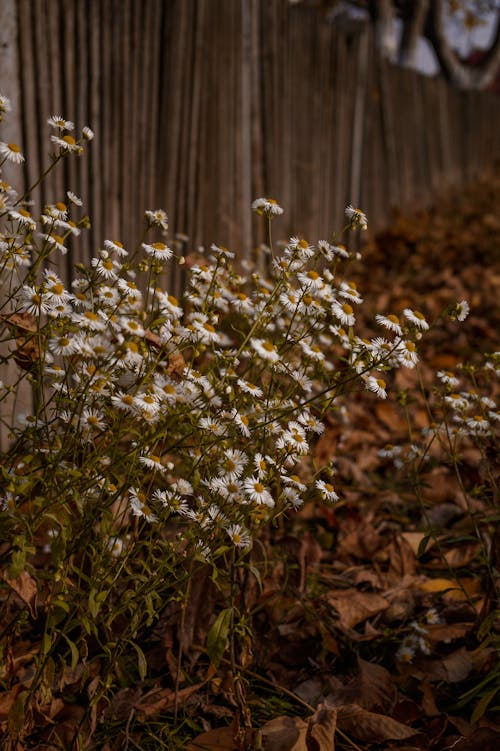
267 206
115 546
390 322
92 420
73 198
87 133
67 144
34 301
139 505
257 492
5 105
64 345
356 217
11 153
115 246
377 385
157 218
344 313
326 490
24 218
239 536
152 461
233 464
417 318
266 349
55 241
405 653
448 378
250 388
157 250
56 121
212 425
461 311
458 402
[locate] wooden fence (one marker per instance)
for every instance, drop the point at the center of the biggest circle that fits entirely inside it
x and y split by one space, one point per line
199 106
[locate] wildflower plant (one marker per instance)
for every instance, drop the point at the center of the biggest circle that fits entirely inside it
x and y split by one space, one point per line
164 432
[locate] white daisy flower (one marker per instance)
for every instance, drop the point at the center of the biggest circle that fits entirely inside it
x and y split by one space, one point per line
73 198
67 144
64 345
377 385
266 349
56 121
462 310
115 246
356 217
417 318
157 250
87 133
11 152
445 376
24 218
344 313
239 536
390 322
326 490
152 461
140 507
157 218
250 388
267 206
257 492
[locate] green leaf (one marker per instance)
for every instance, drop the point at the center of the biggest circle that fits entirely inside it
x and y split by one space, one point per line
142 665
218 636
75 655
483 704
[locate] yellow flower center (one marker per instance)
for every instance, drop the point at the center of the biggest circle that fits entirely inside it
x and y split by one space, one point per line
61 206
347 309
392 318
69 140
14 147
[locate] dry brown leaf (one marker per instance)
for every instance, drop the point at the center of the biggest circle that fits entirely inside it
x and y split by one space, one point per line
369 726
355 607
220 739
377 687
25 586
414 539
321 728
460 556
158 700
402 561
482 739
284 734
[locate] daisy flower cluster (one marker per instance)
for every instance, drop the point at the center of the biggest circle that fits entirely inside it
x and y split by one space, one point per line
202 411
464 411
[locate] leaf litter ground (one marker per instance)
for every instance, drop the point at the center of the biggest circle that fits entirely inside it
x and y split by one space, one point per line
343 586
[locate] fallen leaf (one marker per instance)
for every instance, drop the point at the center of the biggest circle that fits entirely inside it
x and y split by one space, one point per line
369 726
25 586
220 739
355 607
320 735
284 734
482 739
377 687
